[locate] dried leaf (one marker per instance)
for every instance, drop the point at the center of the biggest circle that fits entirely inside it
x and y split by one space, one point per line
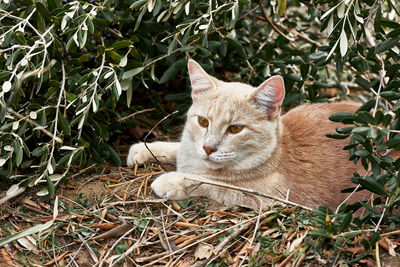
226 256
203 251
27 244
388 245
6 257
358 250
31 203
29 231
297 242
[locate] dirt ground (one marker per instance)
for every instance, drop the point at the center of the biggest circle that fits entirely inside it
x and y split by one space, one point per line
108 216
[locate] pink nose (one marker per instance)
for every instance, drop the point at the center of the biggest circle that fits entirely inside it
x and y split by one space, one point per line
209 149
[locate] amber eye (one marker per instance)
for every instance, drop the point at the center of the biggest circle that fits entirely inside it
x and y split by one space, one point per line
203 122
234 129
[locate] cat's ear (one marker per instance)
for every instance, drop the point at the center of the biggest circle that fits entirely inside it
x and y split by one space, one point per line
199 79
269 95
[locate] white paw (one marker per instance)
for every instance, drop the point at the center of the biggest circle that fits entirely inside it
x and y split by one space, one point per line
138 154
170 185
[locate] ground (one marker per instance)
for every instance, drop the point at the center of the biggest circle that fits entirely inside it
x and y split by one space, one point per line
108 216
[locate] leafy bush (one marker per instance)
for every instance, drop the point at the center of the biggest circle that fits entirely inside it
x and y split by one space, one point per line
70 71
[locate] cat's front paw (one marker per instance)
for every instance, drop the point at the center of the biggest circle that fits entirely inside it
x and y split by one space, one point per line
138 154
170 185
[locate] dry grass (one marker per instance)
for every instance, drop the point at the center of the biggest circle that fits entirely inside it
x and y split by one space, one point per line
113 219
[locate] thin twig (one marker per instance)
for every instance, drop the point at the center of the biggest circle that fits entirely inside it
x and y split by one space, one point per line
352 193
390 233
353 232
296 33
83 171
250 191
34 123
136 113
272 24
253 236
256 227
164 232
79 249
89 249
371 13
382 215
147 135
248 13
378 259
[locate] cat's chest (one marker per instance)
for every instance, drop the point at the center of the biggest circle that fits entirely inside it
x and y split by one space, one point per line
187 160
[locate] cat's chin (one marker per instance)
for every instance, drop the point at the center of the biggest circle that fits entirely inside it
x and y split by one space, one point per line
213 164
216 165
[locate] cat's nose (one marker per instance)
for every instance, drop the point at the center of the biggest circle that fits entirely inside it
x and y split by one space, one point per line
209 149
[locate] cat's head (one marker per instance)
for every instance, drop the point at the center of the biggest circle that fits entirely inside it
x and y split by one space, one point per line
233 125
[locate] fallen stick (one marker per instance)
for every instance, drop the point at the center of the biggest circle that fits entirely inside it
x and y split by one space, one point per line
301 259
250 191
378 259
390 233
286 261
117 231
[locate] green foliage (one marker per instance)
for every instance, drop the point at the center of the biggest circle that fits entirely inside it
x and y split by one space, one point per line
71 70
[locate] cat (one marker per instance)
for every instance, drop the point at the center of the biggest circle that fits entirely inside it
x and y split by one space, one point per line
235 134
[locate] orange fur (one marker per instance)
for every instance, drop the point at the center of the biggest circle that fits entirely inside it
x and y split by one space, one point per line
270 154
314 167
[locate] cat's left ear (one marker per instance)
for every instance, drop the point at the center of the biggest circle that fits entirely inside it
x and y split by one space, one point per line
269 95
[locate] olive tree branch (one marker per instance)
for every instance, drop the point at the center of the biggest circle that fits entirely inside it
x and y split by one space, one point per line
270 22
49 169
34 123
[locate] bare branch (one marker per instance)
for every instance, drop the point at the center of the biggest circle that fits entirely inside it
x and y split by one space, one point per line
250 191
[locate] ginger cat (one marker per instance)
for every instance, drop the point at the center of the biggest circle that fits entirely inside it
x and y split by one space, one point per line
234 133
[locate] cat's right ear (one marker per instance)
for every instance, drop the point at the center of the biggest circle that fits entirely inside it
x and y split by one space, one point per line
199 79
269 95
